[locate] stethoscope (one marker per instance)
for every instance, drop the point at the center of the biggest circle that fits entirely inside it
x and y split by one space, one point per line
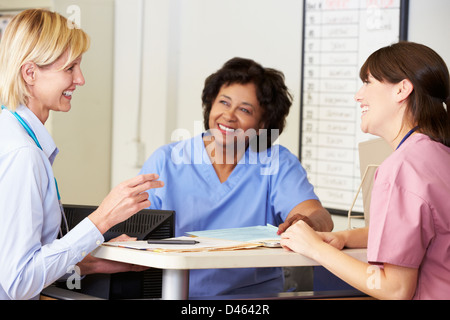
33 136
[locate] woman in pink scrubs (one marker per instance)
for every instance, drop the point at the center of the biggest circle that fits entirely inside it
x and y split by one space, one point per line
404 100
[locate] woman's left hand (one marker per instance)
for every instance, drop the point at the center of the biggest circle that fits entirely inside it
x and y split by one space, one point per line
301 238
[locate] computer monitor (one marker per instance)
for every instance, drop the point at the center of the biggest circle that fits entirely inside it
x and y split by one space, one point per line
146 224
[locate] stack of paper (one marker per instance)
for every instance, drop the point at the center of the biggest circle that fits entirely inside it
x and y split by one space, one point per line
211 240
204 244
253 234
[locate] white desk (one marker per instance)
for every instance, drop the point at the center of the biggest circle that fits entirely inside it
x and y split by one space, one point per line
176 266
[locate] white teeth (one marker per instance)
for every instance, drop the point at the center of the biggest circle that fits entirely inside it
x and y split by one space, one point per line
67 93
226 128
365 109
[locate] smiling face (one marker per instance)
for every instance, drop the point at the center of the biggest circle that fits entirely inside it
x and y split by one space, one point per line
382 114
51 87
235 114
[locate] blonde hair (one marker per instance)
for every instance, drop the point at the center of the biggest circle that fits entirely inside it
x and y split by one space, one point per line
38 36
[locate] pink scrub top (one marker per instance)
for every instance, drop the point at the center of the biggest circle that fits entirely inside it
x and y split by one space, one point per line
410 214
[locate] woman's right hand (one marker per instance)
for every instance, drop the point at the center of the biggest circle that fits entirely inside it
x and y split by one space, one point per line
126 199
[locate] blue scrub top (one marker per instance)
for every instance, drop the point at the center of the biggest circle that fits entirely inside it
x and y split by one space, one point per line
263 188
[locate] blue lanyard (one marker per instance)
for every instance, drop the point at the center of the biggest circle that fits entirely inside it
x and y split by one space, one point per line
33 136
25 126
407 136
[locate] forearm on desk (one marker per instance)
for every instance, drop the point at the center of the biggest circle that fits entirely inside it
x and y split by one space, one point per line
354 238
384 282
321 219
387 282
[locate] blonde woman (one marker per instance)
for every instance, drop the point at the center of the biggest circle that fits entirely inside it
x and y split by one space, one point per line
40 58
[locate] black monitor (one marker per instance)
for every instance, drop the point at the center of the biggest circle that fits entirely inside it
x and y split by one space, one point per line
146 224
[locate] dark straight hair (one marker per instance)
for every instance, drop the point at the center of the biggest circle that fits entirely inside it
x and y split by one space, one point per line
429 101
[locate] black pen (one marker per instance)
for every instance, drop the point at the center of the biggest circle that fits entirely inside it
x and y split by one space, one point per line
174 241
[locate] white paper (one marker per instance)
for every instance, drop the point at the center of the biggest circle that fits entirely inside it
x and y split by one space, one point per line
204 244
247 234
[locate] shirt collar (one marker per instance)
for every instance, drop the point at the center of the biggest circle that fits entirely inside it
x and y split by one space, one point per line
43 136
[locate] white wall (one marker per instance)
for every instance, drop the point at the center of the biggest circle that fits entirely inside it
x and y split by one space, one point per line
83 166
183 43
429 24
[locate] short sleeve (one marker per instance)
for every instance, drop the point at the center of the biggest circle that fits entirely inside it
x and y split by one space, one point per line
290 185
401 226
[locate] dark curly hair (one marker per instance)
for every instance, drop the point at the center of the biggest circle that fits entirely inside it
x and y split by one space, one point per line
271 92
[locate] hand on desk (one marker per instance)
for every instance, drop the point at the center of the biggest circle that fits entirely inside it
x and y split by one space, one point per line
90 264
292 220
312 212
301 238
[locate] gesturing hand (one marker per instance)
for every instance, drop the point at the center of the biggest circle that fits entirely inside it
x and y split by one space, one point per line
126 199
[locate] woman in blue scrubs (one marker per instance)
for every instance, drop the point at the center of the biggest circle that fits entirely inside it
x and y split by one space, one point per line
233 176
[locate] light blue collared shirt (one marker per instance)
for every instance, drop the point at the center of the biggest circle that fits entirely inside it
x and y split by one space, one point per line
31 257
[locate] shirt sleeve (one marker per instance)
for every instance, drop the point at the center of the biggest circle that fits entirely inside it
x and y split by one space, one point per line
401 226
290 185
155 164
29 260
